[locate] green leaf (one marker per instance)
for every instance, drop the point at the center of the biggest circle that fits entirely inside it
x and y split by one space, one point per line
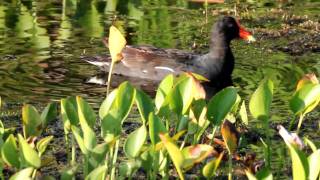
24 174
174 152
163 90
264 174
10 153
98 154
69 114
97 174
128 168
69 173
195 154
155 128
28 154
221 104
261 99
145 105
135 141
43 144
85 113
78 136
124 100
314 165
32 123
111 126
49 113
87 120
107 104
305 99
300 165
211 167
181 96
310 144
243 113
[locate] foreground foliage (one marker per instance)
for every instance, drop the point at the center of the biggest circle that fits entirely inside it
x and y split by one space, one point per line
171 130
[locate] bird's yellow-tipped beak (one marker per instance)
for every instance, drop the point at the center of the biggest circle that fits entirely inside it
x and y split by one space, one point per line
244 34
250 38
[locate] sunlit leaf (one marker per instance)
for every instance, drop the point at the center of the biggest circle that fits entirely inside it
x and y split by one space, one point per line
87 120
198 89
263 174
306 79
230 136
261 99
116 43
310 144
29 155
300 165
163 90
49 113
135 141
211 167
69 114
107 103
221 104
43 143
243 113
145 105
24 174
98 154
174 152
32 123
195 154
314 165
126 169
181 96
155 128
85 113
124 99
78 136
305 99
97 174
10 153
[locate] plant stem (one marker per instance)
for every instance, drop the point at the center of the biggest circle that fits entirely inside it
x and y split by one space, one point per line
86 166
230 167
67 146
114 160
268 150
213 132
73 152
109 77
300 123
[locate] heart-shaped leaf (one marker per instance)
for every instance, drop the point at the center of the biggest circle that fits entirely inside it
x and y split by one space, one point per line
145 105
195 154
135 141
116 43
49 113
10 153
43 143
155 128
28 154
32 123
221 104
261 99
174 152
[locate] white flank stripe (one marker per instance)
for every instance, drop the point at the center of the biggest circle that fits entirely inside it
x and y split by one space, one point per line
164 68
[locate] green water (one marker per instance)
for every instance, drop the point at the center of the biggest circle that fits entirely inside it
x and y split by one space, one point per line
41 43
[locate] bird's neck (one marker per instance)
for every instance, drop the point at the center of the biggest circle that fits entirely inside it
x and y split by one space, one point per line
219 45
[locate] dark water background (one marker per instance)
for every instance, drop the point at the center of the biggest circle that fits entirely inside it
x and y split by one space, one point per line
41 43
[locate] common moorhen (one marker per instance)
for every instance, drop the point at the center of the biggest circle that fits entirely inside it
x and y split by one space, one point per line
148 62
